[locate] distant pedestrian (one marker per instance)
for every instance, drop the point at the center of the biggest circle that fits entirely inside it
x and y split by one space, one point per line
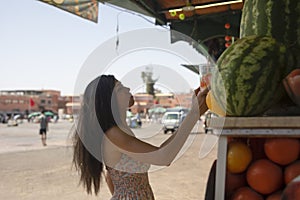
55 118
138 119
43 128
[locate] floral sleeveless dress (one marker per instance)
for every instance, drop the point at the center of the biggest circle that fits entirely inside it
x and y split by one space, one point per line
130 180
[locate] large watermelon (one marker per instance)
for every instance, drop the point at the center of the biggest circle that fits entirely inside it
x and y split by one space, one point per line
248 79
276 18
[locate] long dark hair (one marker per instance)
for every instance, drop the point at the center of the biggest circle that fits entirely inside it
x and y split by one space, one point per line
89 167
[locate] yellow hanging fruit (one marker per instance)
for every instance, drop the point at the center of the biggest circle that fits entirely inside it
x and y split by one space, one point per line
173 13
213 105
181 16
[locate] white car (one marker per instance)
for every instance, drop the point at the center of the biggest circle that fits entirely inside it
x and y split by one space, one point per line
171 121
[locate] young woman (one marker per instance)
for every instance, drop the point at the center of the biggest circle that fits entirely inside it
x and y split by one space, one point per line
104 140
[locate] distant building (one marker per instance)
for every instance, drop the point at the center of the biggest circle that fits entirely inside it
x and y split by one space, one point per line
29 100
170 100
183 100
72 104
144 102
166 100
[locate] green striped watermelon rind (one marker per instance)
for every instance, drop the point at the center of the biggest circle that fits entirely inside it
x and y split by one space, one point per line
248 79
276 18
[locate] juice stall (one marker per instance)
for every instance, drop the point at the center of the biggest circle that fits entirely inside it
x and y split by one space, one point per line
256 92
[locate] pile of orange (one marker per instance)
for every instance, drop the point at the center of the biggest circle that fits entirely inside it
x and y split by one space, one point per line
261 168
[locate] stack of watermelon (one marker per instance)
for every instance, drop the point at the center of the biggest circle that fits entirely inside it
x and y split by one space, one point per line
248 79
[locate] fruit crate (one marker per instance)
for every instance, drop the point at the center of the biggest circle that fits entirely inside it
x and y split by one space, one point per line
247 127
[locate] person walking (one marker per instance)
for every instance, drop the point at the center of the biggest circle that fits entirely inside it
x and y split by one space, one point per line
43 128
105 146
139 120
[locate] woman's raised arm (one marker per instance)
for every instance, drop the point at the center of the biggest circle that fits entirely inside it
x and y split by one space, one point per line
166 153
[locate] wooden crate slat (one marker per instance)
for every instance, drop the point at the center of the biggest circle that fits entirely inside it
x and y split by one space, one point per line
290 122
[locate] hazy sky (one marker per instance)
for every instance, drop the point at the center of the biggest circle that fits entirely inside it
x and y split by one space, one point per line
43 47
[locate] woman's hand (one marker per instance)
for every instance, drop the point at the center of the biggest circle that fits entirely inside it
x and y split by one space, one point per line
199 99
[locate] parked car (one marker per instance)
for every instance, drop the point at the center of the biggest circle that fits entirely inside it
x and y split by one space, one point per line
171 121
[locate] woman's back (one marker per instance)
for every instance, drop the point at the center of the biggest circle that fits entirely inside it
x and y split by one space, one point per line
130 180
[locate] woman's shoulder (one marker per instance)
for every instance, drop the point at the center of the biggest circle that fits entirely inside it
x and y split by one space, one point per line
113 130
118 133
119 130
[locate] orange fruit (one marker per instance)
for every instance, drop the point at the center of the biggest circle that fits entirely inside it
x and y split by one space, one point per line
246 193
213 105
239 157
275 196
291 171
264 176
282 151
